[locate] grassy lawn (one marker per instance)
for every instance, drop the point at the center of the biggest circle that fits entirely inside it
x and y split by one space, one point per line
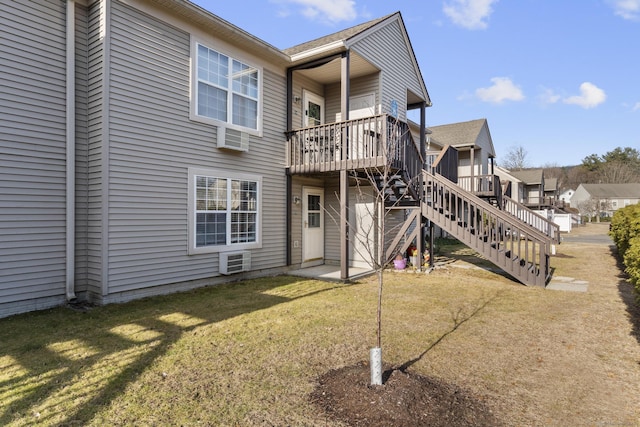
249 353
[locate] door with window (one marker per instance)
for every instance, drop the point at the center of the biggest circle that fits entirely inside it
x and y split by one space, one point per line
313 109
312 226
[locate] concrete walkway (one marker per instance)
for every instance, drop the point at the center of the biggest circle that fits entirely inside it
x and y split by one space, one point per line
329 272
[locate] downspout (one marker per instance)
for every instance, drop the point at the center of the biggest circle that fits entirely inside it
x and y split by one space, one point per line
71 154
289 196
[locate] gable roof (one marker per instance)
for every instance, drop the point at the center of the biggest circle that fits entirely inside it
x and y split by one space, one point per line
341 41
462 134
550 184
340 36
529 176
624 191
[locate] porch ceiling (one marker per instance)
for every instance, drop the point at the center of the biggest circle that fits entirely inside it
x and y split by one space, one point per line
331 72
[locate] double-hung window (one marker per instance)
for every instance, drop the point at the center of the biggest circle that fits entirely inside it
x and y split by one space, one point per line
227 90
224 211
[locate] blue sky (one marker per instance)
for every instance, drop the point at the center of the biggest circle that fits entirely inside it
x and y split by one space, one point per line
560 78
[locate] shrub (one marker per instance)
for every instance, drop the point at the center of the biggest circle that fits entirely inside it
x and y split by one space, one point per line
632 262
625 225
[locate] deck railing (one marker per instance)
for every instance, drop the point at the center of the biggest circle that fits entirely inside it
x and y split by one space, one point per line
482 185
375 141
541 201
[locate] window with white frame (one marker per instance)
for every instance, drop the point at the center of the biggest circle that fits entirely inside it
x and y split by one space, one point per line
227 90
224 211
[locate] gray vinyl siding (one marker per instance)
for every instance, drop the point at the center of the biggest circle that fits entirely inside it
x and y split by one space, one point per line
32 155
483 154
387 50
152 145
96 89
331 226
360 86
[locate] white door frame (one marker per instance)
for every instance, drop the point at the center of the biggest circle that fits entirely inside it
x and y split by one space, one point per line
312 229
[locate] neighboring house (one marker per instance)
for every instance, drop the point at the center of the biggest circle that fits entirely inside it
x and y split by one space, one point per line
474 145
566 195
512 186
533 185
604 199
530 187
550 195
151 147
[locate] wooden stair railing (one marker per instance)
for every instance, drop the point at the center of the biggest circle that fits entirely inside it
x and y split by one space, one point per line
535 220
515 247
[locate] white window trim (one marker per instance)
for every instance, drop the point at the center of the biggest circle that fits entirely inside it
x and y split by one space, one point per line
194 89
219 173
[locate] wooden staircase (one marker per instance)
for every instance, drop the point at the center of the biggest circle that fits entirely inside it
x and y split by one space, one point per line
512 237
502 238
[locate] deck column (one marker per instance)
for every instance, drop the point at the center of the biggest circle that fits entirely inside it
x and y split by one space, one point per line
344 176
344 224
472 161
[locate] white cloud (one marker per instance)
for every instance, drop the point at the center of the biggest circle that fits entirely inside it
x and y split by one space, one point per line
590 96
636 107
470 14
503 89
627 9
330 11
548 96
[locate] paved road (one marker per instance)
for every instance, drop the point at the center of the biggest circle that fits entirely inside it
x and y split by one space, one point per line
603 239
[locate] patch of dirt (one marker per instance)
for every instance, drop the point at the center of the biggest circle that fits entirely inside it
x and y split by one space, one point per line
404 399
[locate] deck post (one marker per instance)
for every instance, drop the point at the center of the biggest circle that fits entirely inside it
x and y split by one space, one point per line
472 162
344 177
344 224
432 255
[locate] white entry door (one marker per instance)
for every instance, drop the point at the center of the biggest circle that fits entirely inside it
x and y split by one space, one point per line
363 135
313 109
362 106
312 225
363 217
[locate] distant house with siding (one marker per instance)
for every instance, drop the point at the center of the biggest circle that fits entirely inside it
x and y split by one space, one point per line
604 199
566 195
472 140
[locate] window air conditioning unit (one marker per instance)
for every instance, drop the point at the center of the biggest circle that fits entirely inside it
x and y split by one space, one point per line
235 262
232 139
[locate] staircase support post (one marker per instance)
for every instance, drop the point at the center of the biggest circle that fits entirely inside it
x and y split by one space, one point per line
344 224
431 245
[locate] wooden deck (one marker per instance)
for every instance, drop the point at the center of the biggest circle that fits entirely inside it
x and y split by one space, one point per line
371 142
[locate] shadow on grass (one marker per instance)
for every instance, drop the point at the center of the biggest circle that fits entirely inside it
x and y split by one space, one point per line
459 318
628 295
455 250
63 366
